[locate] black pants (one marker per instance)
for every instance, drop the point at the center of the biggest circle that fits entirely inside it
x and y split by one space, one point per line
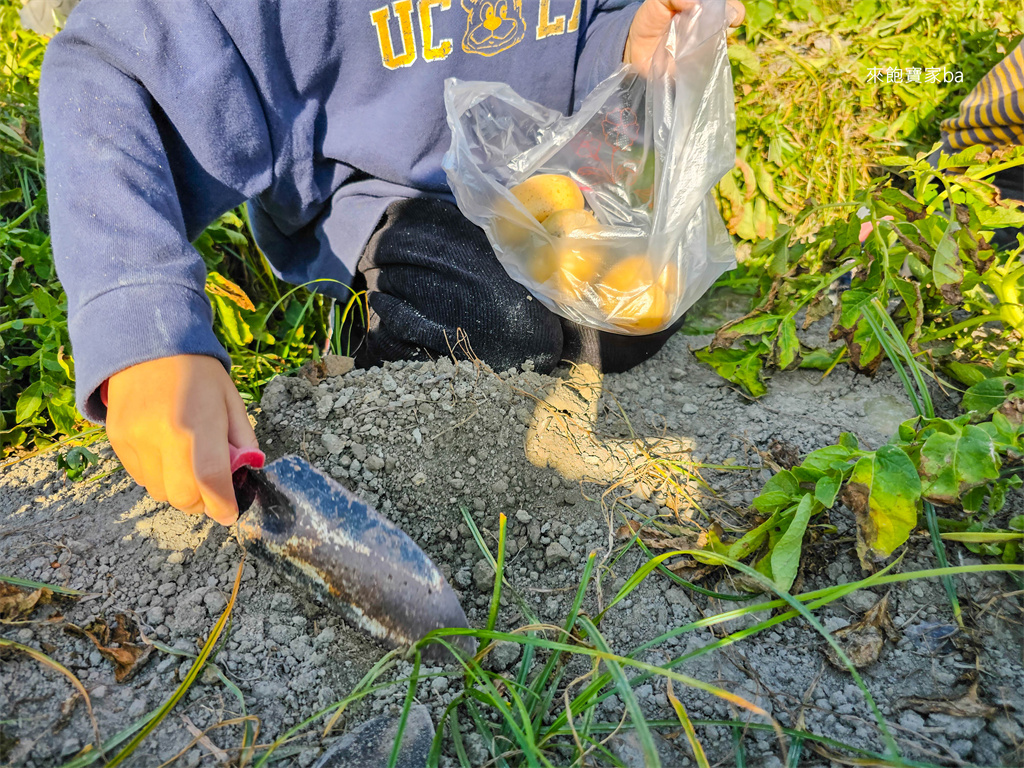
432 280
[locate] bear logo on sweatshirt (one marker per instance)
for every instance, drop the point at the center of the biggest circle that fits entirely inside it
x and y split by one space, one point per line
492 26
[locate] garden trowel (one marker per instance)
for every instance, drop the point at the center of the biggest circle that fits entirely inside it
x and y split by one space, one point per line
362 563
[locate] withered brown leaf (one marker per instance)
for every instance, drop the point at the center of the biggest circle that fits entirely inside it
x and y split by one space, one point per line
862 641
17 604
118 645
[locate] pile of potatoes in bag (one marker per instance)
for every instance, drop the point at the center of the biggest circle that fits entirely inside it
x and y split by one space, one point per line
576 269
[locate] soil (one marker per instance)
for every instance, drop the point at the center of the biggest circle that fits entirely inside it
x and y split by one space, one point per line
422 441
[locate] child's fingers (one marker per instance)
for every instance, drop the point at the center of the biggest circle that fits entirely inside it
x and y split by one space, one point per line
129 460
736 11
240 433
179 479
153 473
212 466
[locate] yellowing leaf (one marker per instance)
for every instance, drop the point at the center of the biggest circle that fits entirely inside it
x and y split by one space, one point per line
218 285
884 492
953 464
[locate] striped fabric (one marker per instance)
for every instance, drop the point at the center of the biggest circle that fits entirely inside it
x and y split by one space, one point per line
992 113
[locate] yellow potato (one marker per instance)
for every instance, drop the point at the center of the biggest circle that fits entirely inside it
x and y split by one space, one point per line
577 268
628 275
644 311
568 220
546 193
647 312
542 264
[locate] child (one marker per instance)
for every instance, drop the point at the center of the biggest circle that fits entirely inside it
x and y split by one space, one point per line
327 117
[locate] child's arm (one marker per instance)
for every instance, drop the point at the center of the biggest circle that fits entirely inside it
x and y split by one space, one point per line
153 127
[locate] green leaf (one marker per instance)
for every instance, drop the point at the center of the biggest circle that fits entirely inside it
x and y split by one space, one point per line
852 304
820 359
952 464
884 492
750 541
30 402
947 269
785 557
825 459
827 488
849 441
778 494
787 343
740 366
744 58
988 394
969 373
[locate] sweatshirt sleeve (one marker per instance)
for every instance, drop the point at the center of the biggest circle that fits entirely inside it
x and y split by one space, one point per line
604 42
152 127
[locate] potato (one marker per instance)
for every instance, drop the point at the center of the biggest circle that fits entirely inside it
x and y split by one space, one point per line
626 276
645 311
577 268
542 264
568 220
546 193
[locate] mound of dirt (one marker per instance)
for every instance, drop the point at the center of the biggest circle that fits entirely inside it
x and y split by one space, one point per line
568 460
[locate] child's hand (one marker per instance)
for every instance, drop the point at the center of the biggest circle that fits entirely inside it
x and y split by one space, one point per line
651 21
169 421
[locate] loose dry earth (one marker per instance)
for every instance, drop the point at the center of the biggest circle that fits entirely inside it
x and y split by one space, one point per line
423 440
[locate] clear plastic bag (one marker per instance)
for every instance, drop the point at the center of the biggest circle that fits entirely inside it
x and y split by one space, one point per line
645 152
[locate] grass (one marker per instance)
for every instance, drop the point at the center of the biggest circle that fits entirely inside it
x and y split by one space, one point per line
810 128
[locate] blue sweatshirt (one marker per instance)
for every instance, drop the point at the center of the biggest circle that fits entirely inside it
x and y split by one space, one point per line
160 115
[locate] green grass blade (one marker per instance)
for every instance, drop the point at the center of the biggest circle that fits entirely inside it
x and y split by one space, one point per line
768 584
499 573
524 606
940 554
651 758
410 696
29 584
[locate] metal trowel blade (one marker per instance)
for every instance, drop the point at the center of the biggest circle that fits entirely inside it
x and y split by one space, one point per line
361 562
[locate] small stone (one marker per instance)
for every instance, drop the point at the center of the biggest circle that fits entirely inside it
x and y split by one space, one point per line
676 596
155 615
1008 731
483 575
282 634
503 656
283 602
476 749
911 721
860 601
523 516
338 365
439 685
374 463
332 443
555 553
167 589
325 638
956 727
419 478
215 602
175 558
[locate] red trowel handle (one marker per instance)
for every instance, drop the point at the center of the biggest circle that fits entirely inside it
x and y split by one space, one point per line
246 457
